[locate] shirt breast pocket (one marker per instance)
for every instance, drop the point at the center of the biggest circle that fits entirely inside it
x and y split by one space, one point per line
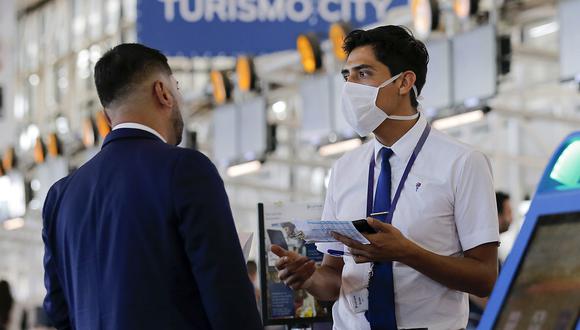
425 213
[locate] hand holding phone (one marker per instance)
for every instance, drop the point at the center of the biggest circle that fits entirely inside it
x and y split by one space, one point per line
363 227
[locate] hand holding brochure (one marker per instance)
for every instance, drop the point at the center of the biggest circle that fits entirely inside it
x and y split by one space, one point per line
314 231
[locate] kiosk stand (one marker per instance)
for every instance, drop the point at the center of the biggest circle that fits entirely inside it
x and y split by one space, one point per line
539 285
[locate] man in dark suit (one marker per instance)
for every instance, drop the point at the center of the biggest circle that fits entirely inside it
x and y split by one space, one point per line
142 236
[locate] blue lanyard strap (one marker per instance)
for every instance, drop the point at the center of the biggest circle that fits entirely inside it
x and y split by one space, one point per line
371 183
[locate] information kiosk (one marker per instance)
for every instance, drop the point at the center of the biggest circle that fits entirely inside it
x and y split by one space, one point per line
539 285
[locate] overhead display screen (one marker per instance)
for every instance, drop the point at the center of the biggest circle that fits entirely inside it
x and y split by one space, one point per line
253 128
437 90
569 39
474 64
12 196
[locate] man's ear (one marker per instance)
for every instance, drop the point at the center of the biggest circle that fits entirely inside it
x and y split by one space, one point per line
162 94
407 83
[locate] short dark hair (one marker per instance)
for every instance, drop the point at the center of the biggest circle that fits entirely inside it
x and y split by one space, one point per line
500 198
395 47
124 66
6 302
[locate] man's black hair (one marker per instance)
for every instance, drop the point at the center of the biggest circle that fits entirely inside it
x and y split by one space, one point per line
123 67
395 47
6 302
500 198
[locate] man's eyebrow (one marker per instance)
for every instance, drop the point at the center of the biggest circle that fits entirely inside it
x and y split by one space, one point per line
357 68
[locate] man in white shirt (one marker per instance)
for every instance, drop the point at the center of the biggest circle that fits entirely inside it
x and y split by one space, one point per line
439 241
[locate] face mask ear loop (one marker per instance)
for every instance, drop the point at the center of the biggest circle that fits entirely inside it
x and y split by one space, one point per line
386 83
418 97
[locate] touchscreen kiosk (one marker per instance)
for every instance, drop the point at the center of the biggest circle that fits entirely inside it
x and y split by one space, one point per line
539 286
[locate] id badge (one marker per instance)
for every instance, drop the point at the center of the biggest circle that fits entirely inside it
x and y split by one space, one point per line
359 300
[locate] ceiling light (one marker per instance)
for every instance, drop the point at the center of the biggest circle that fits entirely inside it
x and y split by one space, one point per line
89 136
544 29
62 125
35 185
39 151
279 107
425 17
13 224
244 168
308 47
54 145
337 34
465 8
245 73
221 86
339 147
33 79
9 159
102 124
458 120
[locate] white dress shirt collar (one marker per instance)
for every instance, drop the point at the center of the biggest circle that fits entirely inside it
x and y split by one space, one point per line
141 127
404 147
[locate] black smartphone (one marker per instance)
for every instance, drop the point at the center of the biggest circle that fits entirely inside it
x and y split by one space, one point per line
363 227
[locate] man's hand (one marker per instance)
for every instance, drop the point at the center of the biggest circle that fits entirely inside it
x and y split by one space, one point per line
293 269
388 244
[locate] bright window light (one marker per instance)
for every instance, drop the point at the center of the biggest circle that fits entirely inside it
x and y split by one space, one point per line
339 147
13 224
244 168
544 29
458 120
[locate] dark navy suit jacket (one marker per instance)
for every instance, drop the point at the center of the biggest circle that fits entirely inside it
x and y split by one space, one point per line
142 237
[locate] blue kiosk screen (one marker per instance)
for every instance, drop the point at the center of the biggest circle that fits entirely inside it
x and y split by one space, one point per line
546 291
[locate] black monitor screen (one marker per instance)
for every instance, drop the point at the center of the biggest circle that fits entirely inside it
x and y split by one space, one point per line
545 293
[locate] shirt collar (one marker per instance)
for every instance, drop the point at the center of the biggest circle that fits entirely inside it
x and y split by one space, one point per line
403 148
141 127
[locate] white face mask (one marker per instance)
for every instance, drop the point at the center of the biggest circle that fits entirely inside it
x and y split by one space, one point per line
360 110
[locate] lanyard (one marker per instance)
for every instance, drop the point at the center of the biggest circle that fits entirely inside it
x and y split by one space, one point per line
371 185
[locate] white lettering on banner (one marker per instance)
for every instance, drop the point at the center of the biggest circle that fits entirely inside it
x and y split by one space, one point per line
216 7
249 11
169 10
299 15
326 13
345 10
360 12
188 15
232 10
271 12
381 7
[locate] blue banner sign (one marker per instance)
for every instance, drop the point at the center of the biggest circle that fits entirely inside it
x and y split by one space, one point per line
232 27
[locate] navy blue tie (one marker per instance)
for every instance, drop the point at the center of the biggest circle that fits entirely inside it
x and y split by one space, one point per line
381 312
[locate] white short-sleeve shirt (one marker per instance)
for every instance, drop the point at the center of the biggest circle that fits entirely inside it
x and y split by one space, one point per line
447 206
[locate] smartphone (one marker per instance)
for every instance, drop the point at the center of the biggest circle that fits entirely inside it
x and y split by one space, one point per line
363 227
